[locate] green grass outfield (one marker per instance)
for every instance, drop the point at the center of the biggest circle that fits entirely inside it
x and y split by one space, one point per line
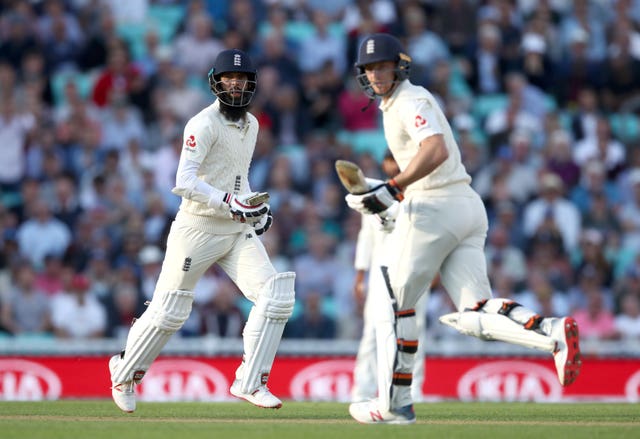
299 420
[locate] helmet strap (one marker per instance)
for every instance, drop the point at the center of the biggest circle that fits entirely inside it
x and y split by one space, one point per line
366 107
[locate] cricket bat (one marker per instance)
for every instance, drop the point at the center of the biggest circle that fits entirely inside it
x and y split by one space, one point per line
259 198
351 177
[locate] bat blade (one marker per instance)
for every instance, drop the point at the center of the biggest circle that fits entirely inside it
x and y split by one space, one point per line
351 177
259 198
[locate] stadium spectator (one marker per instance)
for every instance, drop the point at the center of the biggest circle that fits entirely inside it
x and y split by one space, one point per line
424 46
65 205
18 38
318 96
15 130
197 47
42 234
181 96
121 123
551 207
327 47
584 119
627 323
621 69
100 274
150 259
484 63
629 214
455 21
595 320
504 257
49 279
594 182
520 177
117 76
123 305
524 111
316 267
291 121
535 63
60 47
559 158
312 322
221 315
355 113
274 54
603 147
76 313
540 295
26 308
591 255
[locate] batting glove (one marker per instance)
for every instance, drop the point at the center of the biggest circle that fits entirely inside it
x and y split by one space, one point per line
264 224
241 211
388 217
377 199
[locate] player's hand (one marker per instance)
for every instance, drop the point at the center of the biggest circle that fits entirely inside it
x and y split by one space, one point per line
377 199
388 217
241 210
264 224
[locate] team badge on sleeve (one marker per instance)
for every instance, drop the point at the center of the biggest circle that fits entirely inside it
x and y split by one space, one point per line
420 121
191 142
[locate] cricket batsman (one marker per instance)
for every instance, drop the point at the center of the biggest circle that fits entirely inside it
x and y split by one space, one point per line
219 221
441 228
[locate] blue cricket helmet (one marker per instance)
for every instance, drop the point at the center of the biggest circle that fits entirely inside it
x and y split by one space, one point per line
377 48
231 61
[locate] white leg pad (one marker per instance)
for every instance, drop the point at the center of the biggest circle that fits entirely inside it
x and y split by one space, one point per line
264 329
488 326
165 316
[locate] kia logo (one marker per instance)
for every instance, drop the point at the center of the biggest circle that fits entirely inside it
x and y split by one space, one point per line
183 380
509 381
632 388
324 381
22 380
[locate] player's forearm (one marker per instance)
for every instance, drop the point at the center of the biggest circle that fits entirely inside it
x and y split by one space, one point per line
189 186
431 154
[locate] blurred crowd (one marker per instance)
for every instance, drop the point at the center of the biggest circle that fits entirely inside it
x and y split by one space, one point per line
543 96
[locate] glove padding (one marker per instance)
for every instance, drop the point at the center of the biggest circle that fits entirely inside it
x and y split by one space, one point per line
264 224
241 211
377 199
388 217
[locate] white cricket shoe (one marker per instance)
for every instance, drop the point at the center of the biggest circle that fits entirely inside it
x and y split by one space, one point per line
122 393
367 412
564 331
260 397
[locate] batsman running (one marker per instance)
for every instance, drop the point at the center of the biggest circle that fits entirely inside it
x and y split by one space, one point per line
441 227
219 221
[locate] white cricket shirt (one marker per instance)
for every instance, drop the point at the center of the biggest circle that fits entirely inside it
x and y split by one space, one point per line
224 150
410 115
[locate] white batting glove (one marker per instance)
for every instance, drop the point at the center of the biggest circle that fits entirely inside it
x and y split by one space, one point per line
354 202
241 211
388 217
264 224
377 199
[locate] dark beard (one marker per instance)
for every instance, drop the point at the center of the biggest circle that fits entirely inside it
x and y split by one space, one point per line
234 114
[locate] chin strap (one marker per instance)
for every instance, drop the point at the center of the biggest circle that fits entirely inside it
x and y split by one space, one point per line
366 107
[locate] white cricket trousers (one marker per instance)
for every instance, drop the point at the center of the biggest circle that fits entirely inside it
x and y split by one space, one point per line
190 252
437 231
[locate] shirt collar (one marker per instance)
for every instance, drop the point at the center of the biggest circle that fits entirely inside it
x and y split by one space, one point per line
384 105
